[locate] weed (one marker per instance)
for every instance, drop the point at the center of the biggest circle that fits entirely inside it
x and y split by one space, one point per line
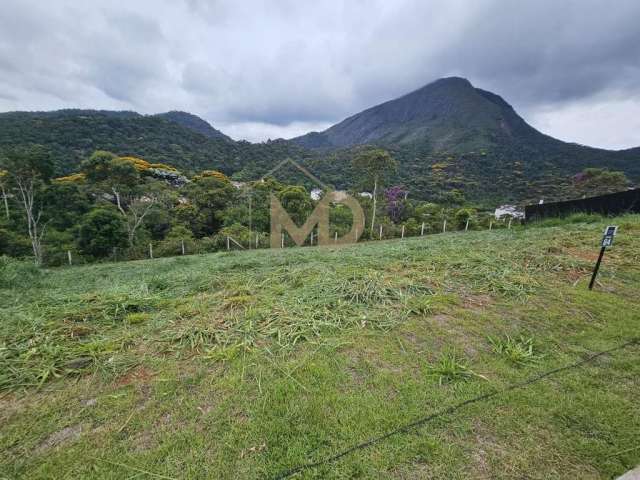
519 351
451 367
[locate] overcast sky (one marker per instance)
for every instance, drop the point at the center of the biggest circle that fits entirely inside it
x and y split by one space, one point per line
279 68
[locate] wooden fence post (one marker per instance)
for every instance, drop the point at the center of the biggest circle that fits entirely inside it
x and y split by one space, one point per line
69 257
444 226
509 226
402 234
335 238
282 241
380 232
466 227
150 251
182 247
422 230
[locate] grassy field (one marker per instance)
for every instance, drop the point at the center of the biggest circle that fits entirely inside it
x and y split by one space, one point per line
251 364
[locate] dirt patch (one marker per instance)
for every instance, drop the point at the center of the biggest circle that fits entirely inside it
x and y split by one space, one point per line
139 375
476 302
60 437
582 255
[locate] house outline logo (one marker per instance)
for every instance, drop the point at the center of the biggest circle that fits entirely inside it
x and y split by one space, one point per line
281 221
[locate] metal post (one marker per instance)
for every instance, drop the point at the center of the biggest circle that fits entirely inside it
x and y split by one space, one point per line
597 267
422 230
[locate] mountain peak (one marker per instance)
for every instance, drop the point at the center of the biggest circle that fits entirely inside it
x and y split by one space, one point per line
193 122
449 113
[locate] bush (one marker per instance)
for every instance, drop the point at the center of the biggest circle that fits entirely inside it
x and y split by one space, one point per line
17 273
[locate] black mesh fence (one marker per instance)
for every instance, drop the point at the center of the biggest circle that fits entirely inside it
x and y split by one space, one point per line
611 204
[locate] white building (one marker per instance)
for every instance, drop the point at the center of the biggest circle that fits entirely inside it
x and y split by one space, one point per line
508 210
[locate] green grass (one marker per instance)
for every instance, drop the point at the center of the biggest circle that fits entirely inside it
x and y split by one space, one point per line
248 364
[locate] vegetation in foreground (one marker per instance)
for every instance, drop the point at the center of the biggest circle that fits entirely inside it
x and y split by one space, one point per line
249 364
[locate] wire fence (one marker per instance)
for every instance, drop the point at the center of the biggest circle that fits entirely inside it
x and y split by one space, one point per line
175 247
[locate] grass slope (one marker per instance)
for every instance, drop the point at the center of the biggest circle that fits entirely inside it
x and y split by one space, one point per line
248 364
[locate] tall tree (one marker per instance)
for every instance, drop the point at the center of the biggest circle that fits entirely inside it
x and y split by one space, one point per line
4 177
374 165
29 169
210 195
119 177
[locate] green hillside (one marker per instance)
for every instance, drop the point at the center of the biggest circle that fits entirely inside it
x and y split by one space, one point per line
174 138
252 364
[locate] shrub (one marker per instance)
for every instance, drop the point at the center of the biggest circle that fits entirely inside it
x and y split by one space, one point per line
17 273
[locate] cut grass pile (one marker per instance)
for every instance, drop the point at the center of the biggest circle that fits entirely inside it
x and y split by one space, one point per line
248 364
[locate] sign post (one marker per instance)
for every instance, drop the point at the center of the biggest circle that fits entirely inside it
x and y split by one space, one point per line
607 241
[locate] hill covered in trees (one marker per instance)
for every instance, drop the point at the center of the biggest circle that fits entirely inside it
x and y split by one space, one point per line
177 138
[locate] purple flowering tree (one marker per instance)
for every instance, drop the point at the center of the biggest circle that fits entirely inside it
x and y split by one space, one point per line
394 197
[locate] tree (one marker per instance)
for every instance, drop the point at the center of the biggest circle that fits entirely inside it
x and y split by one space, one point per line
600 181
395 198
29 170
100 231
296 201
4 177
375 165
119 177
111 173
210 196
463 215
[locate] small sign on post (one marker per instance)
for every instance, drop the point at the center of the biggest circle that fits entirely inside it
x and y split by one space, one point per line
607 241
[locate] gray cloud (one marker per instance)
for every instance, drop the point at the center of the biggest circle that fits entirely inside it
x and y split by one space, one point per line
265 69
